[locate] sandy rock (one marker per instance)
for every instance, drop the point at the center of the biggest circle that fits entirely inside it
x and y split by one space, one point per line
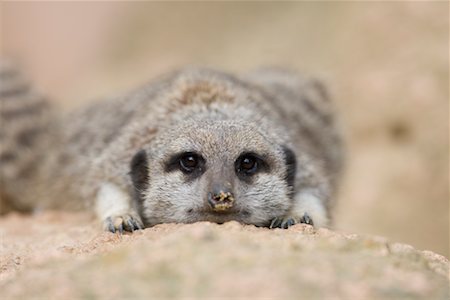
66 256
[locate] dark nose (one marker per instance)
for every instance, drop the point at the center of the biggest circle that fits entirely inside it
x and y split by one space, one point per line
220 198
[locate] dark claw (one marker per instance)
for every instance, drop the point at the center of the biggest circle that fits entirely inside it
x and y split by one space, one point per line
120 228
288 223
307 220
110 225
137 226
131 225
276 223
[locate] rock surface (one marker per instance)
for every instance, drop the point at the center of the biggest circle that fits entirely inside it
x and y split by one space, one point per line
66 256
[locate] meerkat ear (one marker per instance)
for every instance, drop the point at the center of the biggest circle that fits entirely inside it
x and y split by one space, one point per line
139 172
291 167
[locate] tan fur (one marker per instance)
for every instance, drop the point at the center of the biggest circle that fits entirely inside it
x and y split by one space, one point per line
214 114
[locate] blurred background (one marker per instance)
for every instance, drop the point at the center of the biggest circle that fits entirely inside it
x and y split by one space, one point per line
386 63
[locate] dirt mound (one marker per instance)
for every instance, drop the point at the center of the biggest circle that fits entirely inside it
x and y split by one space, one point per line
63 255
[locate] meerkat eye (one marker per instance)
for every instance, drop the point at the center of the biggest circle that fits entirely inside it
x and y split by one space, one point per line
189 162
248 164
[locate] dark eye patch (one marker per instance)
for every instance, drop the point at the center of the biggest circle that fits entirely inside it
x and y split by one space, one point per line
189 163
139 173
291 168
139 170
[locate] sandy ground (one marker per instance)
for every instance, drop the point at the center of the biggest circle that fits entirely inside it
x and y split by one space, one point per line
57 255
387 66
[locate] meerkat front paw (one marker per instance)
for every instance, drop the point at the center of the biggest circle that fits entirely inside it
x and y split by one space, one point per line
286 222
127 222
113 207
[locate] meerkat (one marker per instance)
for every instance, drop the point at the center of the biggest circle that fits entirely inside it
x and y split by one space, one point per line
196 144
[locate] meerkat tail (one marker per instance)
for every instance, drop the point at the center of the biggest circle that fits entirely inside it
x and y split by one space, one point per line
24 120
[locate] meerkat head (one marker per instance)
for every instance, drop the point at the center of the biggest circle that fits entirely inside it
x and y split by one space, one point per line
214 170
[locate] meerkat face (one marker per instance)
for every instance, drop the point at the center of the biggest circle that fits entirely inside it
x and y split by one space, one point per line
214 171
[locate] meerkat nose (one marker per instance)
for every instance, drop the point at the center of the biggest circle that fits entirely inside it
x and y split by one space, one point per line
221 199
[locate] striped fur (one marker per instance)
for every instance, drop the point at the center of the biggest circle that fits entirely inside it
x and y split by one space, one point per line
24 120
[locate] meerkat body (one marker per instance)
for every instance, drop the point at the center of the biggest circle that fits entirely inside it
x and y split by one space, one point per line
196 145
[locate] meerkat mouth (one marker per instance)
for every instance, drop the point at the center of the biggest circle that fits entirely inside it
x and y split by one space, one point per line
233 214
